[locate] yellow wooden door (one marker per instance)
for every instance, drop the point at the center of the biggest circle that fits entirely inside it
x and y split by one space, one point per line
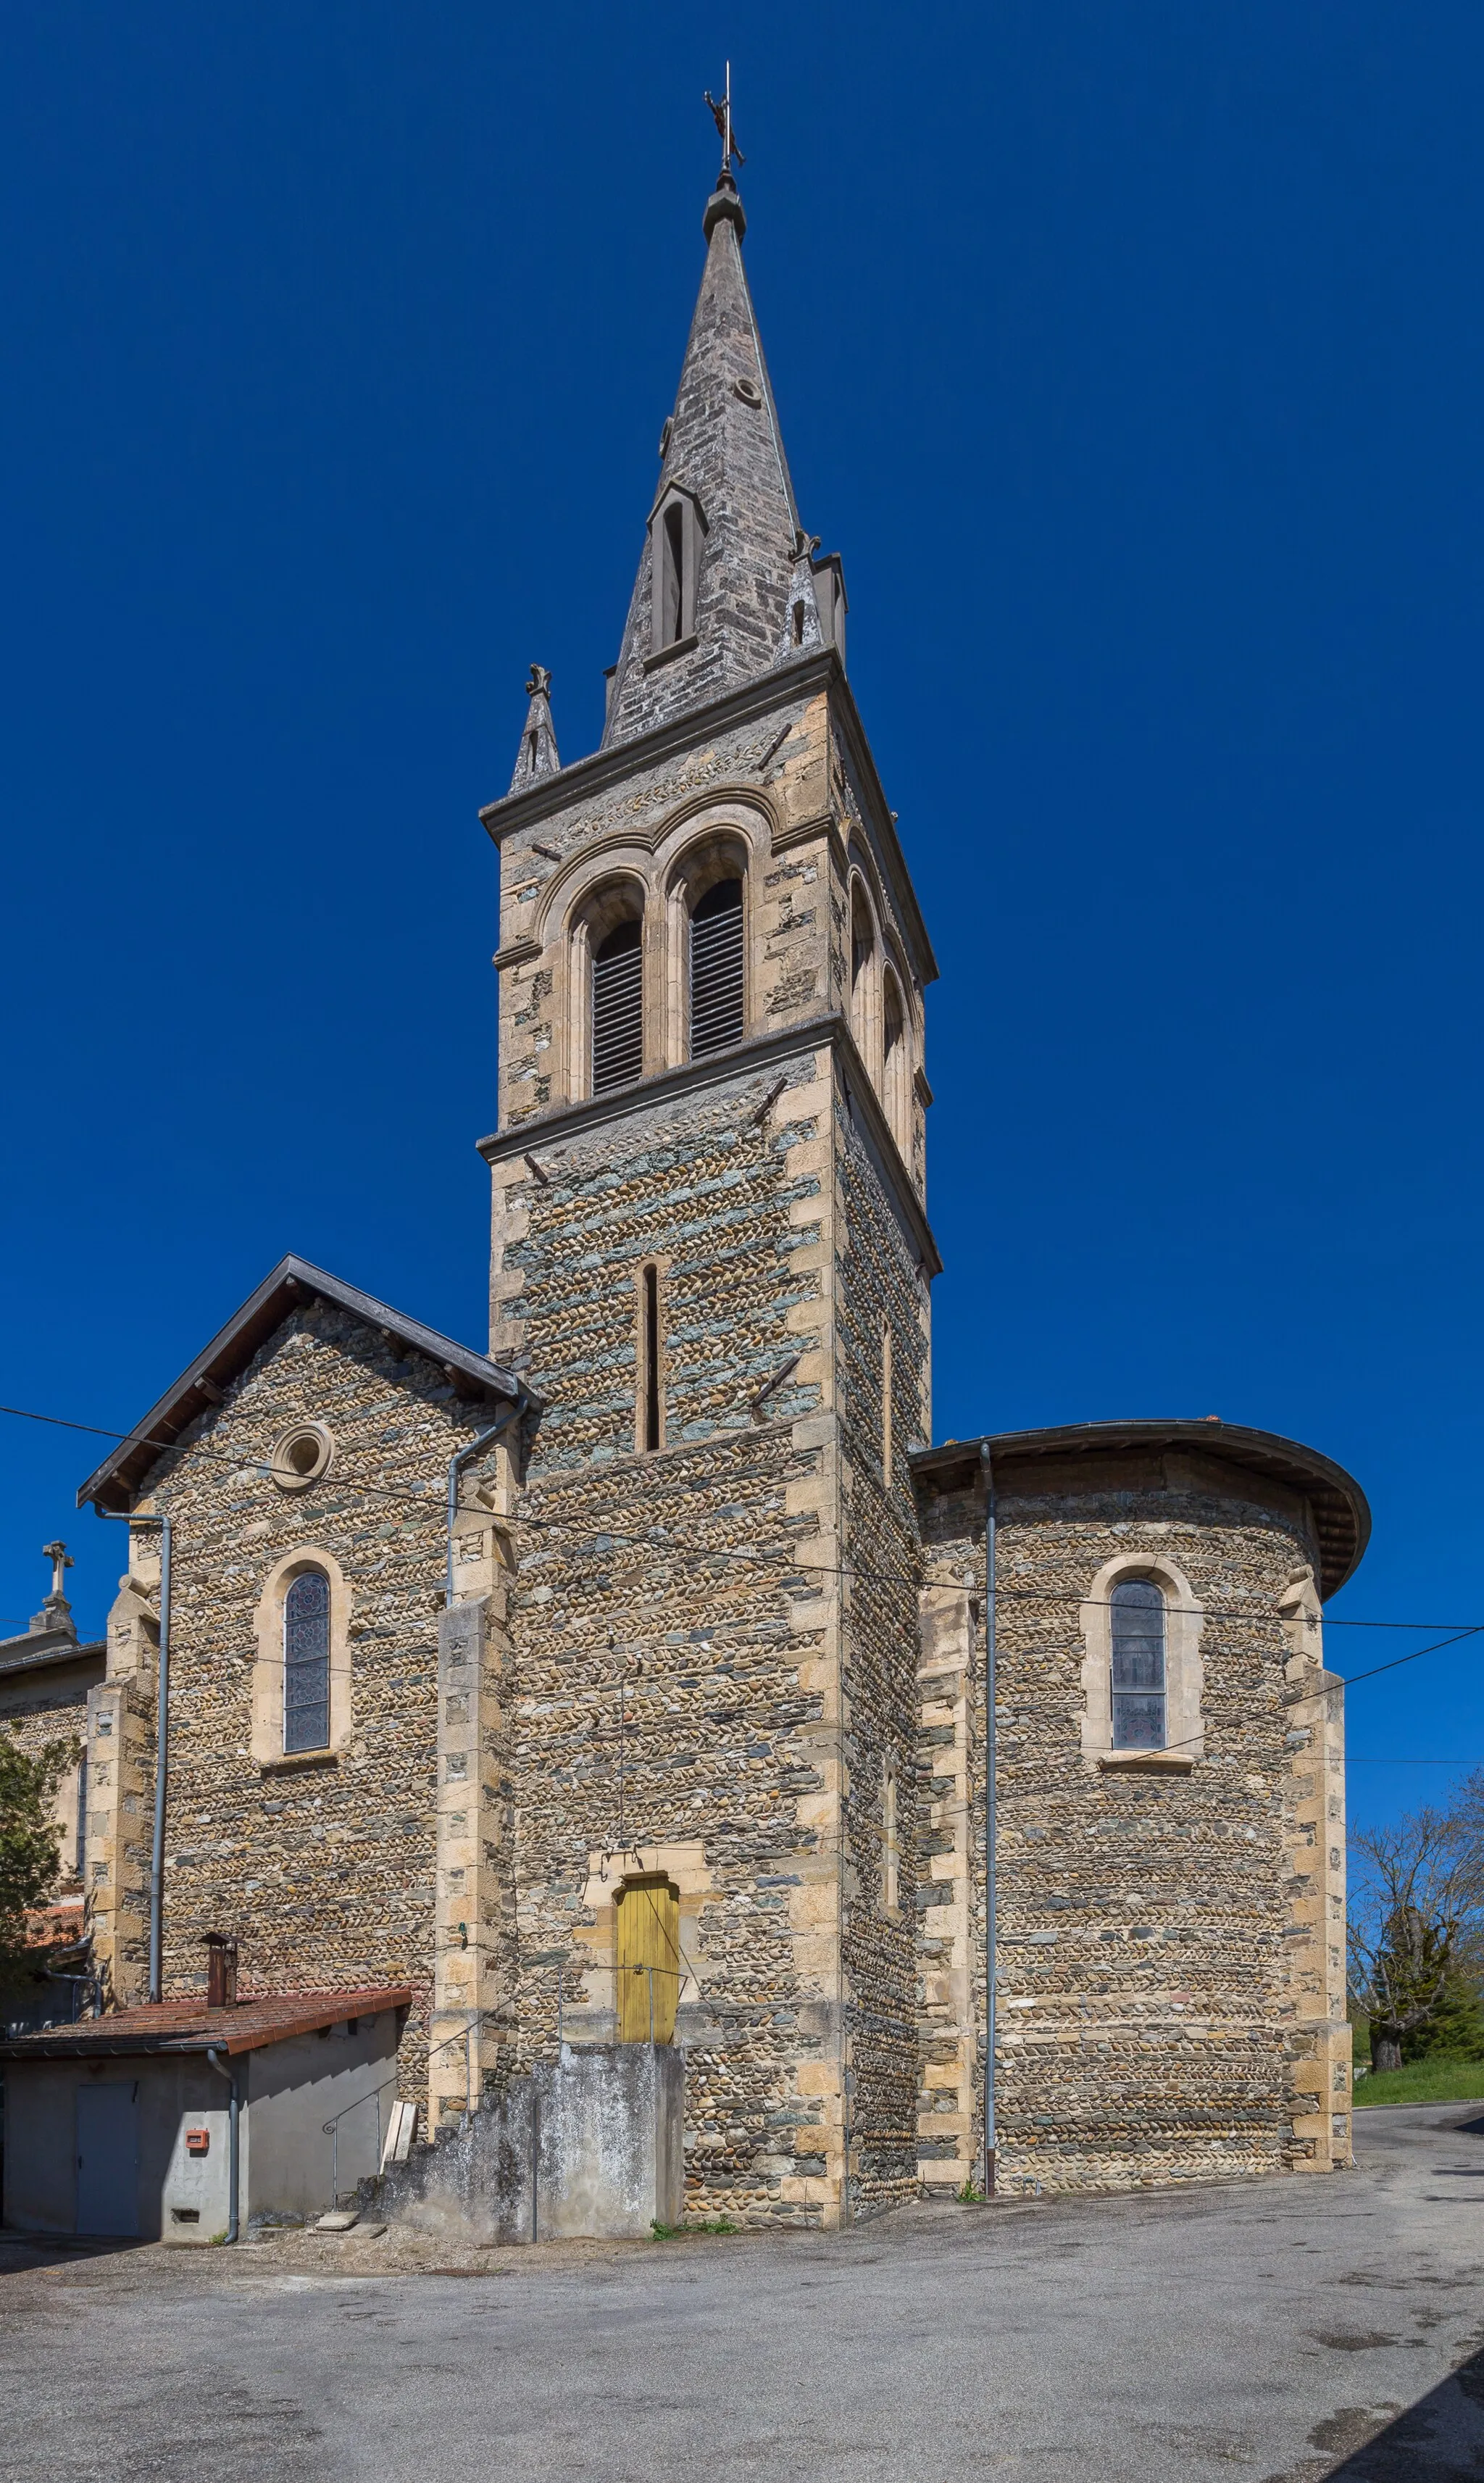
648 1957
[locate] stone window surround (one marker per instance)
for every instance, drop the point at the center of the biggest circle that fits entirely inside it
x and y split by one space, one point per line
656 878
660 1262
865 1004
595 1944
267 1745
1184 1670
617 898
692 530
719 853
896 1076
658 889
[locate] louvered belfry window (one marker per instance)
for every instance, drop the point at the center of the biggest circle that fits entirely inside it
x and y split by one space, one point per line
618 1008
716 968
307 1662
1138 1665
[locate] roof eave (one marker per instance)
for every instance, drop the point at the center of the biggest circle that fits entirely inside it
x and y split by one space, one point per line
117 1483
1285 1461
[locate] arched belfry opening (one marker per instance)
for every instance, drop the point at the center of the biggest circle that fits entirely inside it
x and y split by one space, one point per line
717 962
618 1006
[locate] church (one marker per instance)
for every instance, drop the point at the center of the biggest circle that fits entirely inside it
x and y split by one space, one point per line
963 1816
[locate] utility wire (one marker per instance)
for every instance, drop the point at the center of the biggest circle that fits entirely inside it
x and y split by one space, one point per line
425 1499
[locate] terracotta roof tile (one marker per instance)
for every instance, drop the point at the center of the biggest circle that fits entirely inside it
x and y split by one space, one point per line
190 2026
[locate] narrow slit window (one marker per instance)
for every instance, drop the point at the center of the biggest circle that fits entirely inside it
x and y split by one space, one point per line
673 576
618 1008
890 1850
650 1426
798 625
717 968
307 1662
1138 1685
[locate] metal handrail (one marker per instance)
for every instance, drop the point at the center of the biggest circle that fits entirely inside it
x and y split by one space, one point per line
331 2128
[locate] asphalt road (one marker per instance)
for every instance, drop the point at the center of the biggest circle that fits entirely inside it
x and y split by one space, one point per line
1282 2331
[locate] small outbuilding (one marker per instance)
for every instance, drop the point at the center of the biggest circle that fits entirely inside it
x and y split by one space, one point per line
178 2120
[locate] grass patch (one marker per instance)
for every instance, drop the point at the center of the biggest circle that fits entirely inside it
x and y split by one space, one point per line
682 2232
1423 2082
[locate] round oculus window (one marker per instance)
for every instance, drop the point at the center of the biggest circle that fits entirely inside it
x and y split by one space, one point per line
301 1457
748 391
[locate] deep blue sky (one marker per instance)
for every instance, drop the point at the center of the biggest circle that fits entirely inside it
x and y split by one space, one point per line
1130 356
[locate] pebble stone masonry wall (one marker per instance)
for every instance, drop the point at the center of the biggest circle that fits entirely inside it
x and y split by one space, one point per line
322 1864
763 1699
750 1658
1171 1991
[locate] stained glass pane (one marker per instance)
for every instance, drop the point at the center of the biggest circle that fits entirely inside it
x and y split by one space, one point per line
307 1662
1138 1665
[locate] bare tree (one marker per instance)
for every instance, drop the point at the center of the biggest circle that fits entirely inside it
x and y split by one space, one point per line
1416 1902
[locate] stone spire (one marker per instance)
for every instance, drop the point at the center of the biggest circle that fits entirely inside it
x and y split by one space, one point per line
724 543
536 755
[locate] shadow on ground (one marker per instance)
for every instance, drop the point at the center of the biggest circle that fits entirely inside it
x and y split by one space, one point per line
1439 2440
20 2252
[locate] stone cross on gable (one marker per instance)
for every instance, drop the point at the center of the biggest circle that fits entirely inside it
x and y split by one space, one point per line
61 1561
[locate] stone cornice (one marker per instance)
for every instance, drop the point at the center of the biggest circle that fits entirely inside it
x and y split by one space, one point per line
692 1077
592 775
819 670
519 953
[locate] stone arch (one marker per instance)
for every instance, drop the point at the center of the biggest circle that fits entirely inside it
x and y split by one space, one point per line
897 1050
1185 1671
720 851
267 1663
612 898
862 973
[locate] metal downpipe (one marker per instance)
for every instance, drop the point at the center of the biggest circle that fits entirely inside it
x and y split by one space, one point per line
465 1457
233 2140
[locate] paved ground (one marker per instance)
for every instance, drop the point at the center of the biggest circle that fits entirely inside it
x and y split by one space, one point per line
1286 2330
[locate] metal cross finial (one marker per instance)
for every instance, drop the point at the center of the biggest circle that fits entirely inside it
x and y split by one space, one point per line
57 1553
720 113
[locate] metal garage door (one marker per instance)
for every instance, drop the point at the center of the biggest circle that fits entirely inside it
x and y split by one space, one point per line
108 2159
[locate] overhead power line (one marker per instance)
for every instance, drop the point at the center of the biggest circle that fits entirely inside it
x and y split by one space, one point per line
662 1540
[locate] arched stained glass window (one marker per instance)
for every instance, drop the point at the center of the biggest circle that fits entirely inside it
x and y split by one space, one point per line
307 1662
716 968
1138 1665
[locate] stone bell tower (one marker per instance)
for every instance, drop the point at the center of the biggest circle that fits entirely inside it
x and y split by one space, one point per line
711 1265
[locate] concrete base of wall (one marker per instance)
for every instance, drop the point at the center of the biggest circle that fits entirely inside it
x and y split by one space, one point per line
590 2146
